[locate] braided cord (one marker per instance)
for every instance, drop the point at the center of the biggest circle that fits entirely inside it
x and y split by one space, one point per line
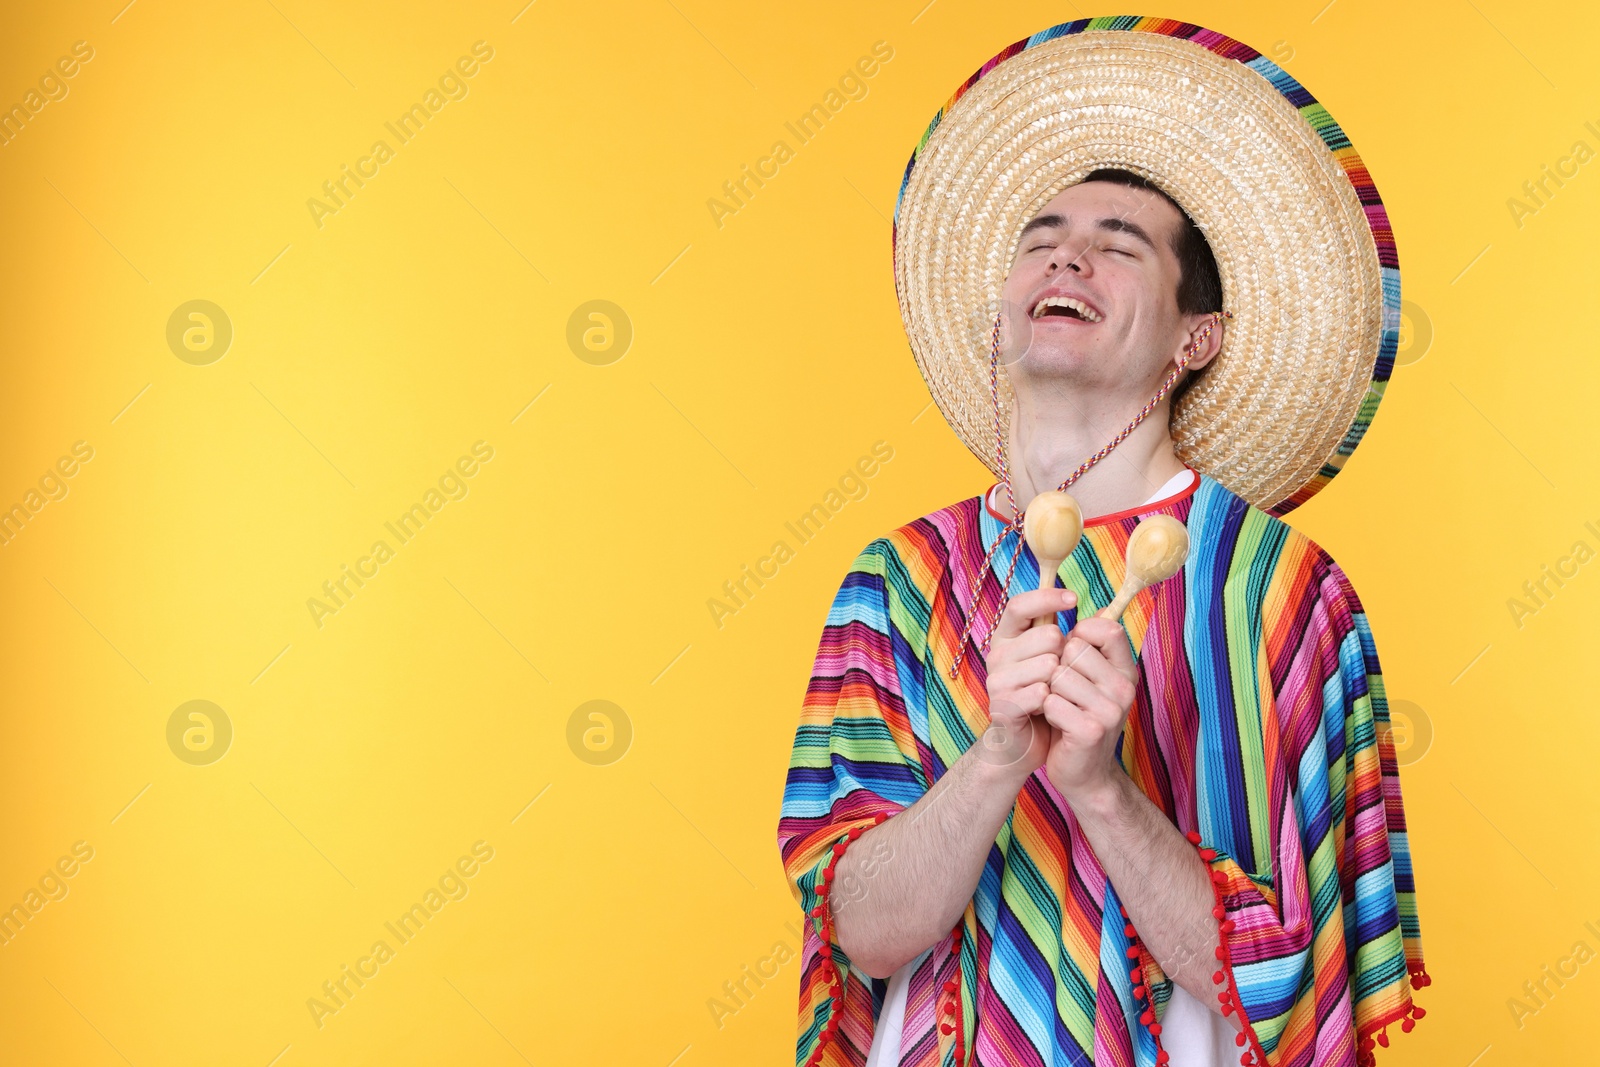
1017 517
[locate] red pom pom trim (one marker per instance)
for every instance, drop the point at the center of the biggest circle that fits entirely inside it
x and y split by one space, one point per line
1254 1055
1141 992
1407 1018
823 915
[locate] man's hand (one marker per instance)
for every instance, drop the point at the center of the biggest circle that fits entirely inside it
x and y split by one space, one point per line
1089 697
1021 660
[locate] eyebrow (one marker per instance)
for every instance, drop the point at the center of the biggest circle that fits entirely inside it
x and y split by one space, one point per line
1112 225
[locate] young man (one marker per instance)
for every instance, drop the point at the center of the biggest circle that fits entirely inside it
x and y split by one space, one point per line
1178 838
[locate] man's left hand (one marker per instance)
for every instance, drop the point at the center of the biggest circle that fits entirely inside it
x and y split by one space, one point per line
1089 700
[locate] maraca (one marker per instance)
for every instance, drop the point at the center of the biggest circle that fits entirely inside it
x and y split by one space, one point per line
1053 524
1156 551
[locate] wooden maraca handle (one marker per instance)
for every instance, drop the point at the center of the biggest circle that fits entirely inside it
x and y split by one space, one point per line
1047 580
1125 595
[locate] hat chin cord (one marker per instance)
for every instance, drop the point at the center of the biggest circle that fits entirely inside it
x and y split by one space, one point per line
1015 525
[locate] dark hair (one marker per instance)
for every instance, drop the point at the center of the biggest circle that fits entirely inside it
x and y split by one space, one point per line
1199 284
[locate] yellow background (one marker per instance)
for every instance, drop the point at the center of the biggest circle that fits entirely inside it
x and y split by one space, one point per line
767 357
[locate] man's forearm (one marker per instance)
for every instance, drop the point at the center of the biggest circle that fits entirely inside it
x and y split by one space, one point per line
1162 881
903 884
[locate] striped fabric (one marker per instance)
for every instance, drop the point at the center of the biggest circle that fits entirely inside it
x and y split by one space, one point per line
1260 722
1316 115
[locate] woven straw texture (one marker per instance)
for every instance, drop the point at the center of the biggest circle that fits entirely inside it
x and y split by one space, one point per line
1302 242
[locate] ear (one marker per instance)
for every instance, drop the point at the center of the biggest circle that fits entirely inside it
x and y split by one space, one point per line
1209 347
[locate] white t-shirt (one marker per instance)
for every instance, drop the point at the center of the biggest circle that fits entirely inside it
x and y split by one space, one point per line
1192 1034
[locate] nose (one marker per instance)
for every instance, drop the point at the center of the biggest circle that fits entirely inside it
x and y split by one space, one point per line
1063 252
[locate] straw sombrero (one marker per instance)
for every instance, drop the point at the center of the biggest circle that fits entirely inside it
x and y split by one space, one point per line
1302 242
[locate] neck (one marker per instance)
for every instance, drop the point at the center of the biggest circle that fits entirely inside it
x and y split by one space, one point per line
1049 440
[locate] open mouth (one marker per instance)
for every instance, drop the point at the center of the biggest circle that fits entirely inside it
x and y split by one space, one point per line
1065 307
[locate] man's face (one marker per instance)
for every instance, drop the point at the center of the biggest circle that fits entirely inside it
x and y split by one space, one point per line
1123 329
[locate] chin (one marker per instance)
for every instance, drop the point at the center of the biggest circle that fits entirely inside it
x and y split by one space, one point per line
1054 358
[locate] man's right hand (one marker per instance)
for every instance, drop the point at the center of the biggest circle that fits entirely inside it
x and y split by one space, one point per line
1021 661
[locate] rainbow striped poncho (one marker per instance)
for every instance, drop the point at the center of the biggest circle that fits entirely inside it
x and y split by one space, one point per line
1260 727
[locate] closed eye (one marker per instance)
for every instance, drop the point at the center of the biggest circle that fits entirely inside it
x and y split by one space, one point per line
1121 251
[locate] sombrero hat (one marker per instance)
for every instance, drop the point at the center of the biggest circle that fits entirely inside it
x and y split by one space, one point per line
1301 240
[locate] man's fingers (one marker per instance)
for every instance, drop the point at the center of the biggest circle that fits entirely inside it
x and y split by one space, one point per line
1023 608
1060 713
1032 696
1026 672
1088 660
1108 636
1037 641
1078 690
1088 680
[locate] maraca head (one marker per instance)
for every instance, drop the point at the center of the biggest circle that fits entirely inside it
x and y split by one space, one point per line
1157 548
1052 525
